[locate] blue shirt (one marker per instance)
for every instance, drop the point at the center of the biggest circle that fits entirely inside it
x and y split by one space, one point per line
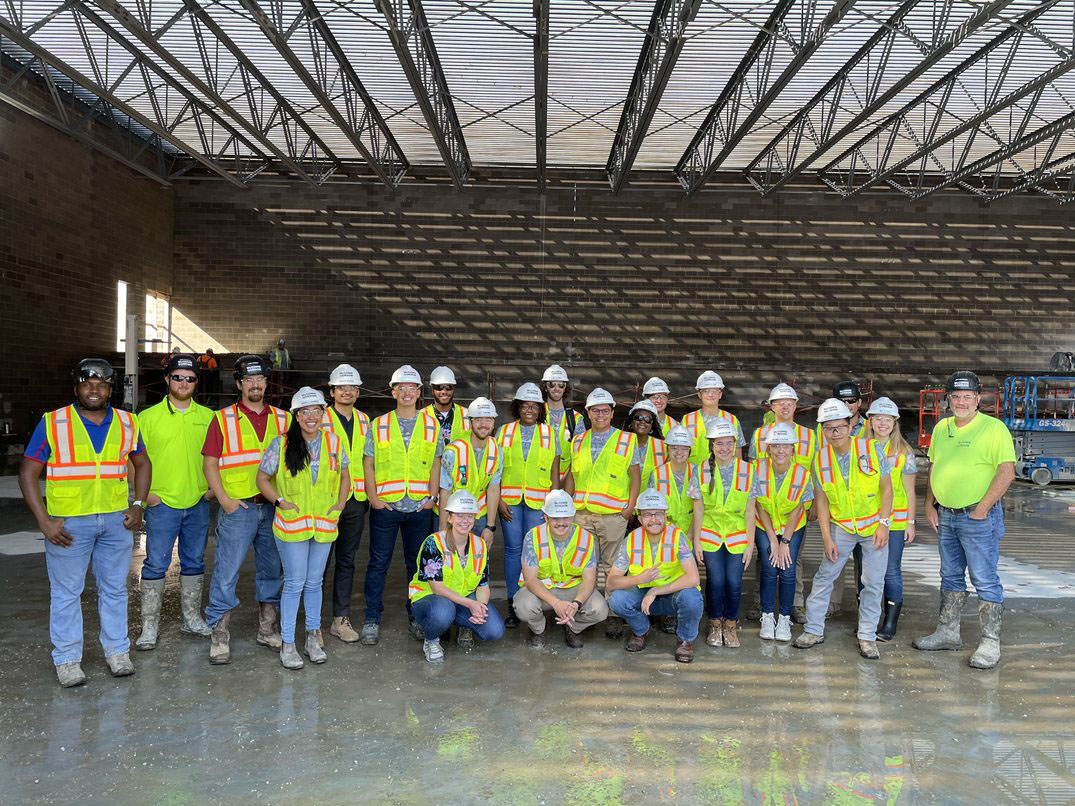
38 448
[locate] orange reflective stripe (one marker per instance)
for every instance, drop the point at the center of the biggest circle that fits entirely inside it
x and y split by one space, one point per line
623 443
281 420
384 429
824 466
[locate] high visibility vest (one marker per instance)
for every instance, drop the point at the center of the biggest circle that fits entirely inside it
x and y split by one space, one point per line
312 518
403 470
460 423
855 507
603 487
680 506
656 454
566 437
470 474
530 478
242 450
553 570
804 448
353 447
779 502
695 423
460 575
641 554
899 492
724 519
78 480
667 424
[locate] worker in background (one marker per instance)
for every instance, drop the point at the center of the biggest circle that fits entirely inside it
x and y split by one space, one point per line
642 422
177 507
656 391
450 584
451 417
350 426
234 443
208 377
565 421
279 357
207 360
402 469
973 464
655 574
710 389
559 573
853 494
531 467
87 518
304 473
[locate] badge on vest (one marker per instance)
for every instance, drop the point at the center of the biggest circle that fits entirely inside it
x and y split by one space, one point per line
463 475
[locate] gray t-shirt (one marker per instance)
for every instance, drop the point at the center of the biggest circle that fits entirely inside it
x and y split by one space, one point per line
447 465
406 428
778 478
726 471
530 556
598 441
270 460
557 415
623 561
526 432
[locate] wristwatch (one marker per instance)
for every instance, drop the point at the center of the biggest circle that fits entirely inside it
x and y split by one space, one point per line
911 521
141 504
785 540
885 521
276 503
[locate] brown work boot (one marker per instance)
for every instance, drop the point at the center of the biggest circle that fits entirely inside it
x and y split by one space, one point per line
731 633
572 639
684 652
716 632
636 643
342 629
268 632
219 647
536 639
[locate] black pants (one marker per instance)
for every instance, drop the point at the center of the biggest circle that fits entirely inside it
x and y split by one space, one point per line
352 521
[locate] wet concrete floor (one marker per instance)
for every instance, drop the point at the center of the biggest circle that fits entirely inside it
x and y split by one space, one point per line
508 724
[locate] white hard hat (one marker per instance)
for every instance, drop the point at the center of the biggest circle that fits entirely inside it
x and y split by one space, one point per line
555 373
644 405
481 407
462 502
709 380
781 434
884 405
441 375
306 397
559 504
833 409
719 428
651 499
529 393
599 396
655 386
405 374
678 436
344 375
782 392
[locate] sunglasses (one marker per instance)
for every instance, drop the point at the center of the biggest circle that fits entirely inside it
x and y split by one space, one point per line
850 399
442 387
555 385
643 418
184 378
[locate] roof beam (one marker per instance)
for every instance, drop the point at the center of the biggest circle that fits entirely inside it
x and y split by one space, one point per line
661 49
781 160
1049 168
360 120
417 54
541 88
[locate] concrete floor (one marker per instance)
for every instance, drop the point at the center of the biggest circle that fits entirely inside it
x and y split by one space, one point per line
508 724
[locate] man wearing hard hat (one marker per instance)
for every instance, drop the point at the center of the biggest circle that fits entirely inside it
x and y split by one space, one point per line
451 418
402 458
350 426
710 388
656 391
565 421
475 463
559 564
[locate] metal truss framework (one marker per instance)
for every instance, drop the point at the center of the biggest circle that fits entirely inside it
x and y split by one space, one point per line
728 121
859 81
541 88
413 43
664 41
1051 175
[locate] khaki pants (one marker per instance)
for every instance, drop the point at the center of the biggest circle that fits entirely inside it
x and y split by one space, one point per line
531 610
609 531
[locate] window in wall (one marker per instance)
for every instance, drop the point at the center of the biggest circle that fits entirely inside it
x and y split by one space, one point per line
121 316
158 323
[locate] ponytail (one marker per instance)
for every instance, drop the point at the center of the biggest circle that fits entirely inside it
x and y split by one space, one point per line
296 454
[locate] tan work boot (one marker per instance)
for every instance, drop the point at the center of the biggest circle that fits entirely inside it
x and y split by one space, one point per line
716 632
268 631
342 629
731 633
219 646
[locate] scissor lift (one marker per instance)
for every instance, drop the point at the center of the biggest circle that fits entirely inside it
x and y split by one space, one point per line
1040 411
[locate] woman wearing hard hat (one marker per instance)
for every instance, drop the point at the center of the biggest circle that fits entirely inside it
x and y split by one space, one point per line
674 476
656 391
723 529
642 422
782 494
474 463
531 468
564 420
304 473
451 584
783 401
710 389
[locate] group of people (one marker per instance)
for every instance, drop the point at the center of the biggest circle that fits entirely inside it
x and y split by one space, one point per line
599 523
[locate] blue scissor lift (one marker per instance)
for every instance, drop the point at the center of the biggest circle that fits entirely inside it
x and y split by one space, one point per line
1040 411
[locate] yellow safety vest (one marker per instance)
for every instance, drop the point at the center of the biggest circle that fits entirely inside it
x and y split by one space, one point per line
656 454
471 475
779 502
403 470
680 506
603 487
557 572
899 492
641 555
353 447
667 424
460 423
566 437
241 454
804 448
460 575
530 478
855 507
694 422
78 480
724 520
312 518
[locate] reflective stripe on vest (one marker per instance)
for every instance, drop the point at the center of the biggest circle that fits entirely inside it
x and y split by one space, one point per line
465 476
332 421
640 555
557 572
241 453
403 469
724 518
899 492
78 479
694 422
526 478
456 575
804 448
855 506
680 507
609 490
311 519
787 497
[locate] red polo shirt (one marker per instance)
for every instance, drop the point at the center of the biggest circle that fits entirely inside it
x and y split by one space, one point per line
214 439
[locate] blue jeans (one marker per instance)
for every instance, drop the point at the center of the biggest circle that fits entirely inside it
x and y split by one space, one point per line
235 534
770 575
163 525
970 545
437 613
385 524
523 519
304 564
894 572
685 605
103 541
723 583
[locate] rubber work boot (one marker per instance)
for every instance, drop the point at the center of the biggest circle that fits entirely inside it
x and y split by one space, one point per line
464 639
684 652
342 629
783 628
268 633
572 639
807 640
731 633
987 655
70 674
768 627
371 633
636 643
120 665
290 657
946 636
715 637
868 650
314 648
219 649
892 618
433 651
152 593
614 627
190 602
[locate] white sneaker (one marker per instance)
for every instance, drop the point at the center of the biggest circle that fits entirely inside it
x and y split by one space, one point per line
434 652
783 628
768 626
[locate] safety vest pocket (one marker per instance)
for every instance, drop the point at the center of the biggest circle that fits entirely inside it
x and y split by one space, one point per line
65 491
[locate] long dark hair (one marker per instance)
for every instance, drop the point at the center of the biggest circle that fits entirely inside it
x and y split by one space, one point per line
516 404
655 430
712 467
296 454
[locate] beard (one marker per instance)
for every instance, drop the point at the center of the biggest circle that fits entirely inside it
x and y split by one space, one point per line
182 395
255 395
